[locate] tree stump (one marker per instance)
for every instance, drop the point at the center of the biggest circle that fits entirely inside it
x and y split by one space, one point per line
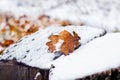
11 70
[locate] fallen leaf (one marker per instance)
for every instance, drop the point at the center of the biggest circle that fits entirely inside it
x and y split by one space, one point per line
68 46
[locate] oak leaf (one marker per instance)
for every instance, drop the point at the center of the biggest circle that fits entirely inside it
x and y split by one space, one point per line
70 42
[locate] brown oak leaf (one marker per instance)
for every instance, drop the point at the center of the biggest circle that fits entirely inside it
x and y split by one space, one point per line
70 42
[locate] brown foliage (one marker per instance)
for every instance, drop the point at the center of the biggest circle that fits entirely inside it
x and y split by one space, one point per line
70 42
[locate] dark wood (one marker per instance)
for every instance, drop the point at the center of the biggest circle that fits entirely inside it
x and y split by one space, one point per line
113 74
13 71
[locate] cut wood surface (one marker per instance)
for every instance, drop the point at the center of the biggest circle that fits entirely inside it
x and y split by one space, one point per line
15 71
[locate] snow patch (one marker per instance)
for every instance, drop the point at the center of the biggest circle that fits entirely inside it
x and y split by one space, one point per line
36 76
58 45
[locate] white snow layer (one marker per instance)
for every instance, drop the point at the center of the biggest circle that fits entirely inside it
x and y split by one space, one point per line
99 55
12 6
33 51
32 8
98 13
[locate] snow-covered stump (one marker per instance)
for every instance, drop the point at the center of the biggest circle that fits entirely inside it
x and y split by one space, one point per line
11 70
32 50
98 60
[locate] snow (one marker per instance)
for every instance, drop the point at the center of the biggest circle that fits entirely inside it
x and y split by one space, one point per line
58 45
99 55
36 76
8 6
33 51
97 13
29 7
